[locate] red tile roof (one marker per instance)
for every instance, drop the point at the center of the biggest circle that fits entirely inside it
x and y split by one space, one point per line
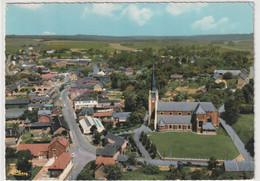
105 160
48 75
61 162
35 149
61 140
176 76
102 114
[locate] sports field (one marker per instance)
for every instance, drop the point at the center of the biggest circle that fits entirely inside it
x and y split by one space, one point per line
191 145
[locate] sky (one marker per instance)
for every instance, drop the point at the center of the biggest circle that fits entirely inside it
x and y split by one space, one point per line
130 19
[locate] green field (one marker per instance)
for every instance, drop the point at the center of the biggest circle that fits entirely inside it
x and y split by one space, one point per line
191 145
244 127
15 44
138 175
54 44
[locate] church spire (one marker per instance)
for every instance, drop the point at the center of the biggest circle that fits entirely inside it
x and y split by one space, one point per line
153 82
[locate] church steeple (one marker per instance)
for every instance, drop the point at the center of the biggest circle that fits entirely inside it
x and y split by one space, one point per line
153 88
153 98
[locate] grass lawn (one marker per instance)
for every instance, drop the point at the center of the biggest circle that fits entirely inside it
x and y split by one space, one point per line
191 145
244 127
138 175
232 83
15 44
35 172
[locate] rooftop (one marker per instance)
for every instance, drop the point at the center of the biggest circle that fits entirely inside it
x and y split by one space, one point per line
185 106
61 162
168 119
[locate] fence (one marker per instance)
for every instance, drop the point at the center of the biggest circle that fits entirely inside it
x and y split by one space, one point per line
239 144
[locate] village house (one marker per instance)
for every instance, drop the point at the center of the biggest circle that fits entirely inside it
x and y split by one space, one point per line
103 116
110 150
112 139
88 122
58 146
199 117
60 164
83 112
101 162
129 71
44 116
177 77
59 126
84 101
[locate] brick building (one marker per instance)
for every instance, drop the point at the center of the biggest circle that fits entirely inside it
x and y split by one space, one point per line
199 117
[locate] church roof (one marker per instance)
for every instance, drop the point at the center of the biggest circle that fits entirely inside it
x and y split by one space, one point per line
185 106
168 119
161 123
199 110
153 82
209 126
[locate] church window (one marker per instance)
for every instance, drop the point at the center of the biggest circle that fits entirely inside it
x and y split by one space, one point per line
188 126
188 113
161 113
179 113
180 126
209 120
170 113
170 126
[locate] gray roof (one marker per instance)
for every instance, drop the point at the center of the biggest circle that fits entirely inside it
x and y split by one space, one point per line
185 106
199 110
39 98
27 121
243 76
16 101
161 123
59 122
122 158
44 112
118 141
9 143
121 115
234 72
40 125
208 126
108 151
239 166
169 119
216 76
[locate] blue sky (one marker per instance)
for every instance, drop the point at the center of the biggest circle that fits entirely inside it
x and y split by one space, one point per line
126 19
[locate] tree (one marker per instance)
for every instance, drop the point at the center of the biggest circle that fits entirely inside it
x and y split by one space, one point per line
97 137
85 71
149 169
131 160
227 75
174 174
93 129
39 70
113 172
23 163
232 111
10 152
212 163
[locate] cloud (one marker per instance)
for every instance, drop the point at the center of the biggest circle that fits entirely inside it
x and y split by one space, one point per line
29 6
48 33
177 9
208 23
102 9
141 16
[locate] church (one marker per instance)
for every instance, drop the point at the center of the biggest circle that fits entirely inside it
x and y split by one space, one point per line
198 117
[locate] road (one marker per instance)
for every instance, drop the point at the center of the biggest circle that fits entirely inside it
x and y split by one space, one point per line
84 151
7 63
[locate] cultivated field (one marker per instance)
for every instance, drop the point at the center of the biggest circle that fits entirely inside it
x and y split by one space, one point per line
191 145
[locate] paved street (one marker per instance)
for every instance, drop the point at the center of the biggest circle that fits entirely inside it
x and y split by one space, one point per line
6 65
83 152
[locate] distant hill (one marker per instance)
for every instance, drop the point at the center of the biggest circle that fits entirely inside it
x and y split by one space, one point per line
223 37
